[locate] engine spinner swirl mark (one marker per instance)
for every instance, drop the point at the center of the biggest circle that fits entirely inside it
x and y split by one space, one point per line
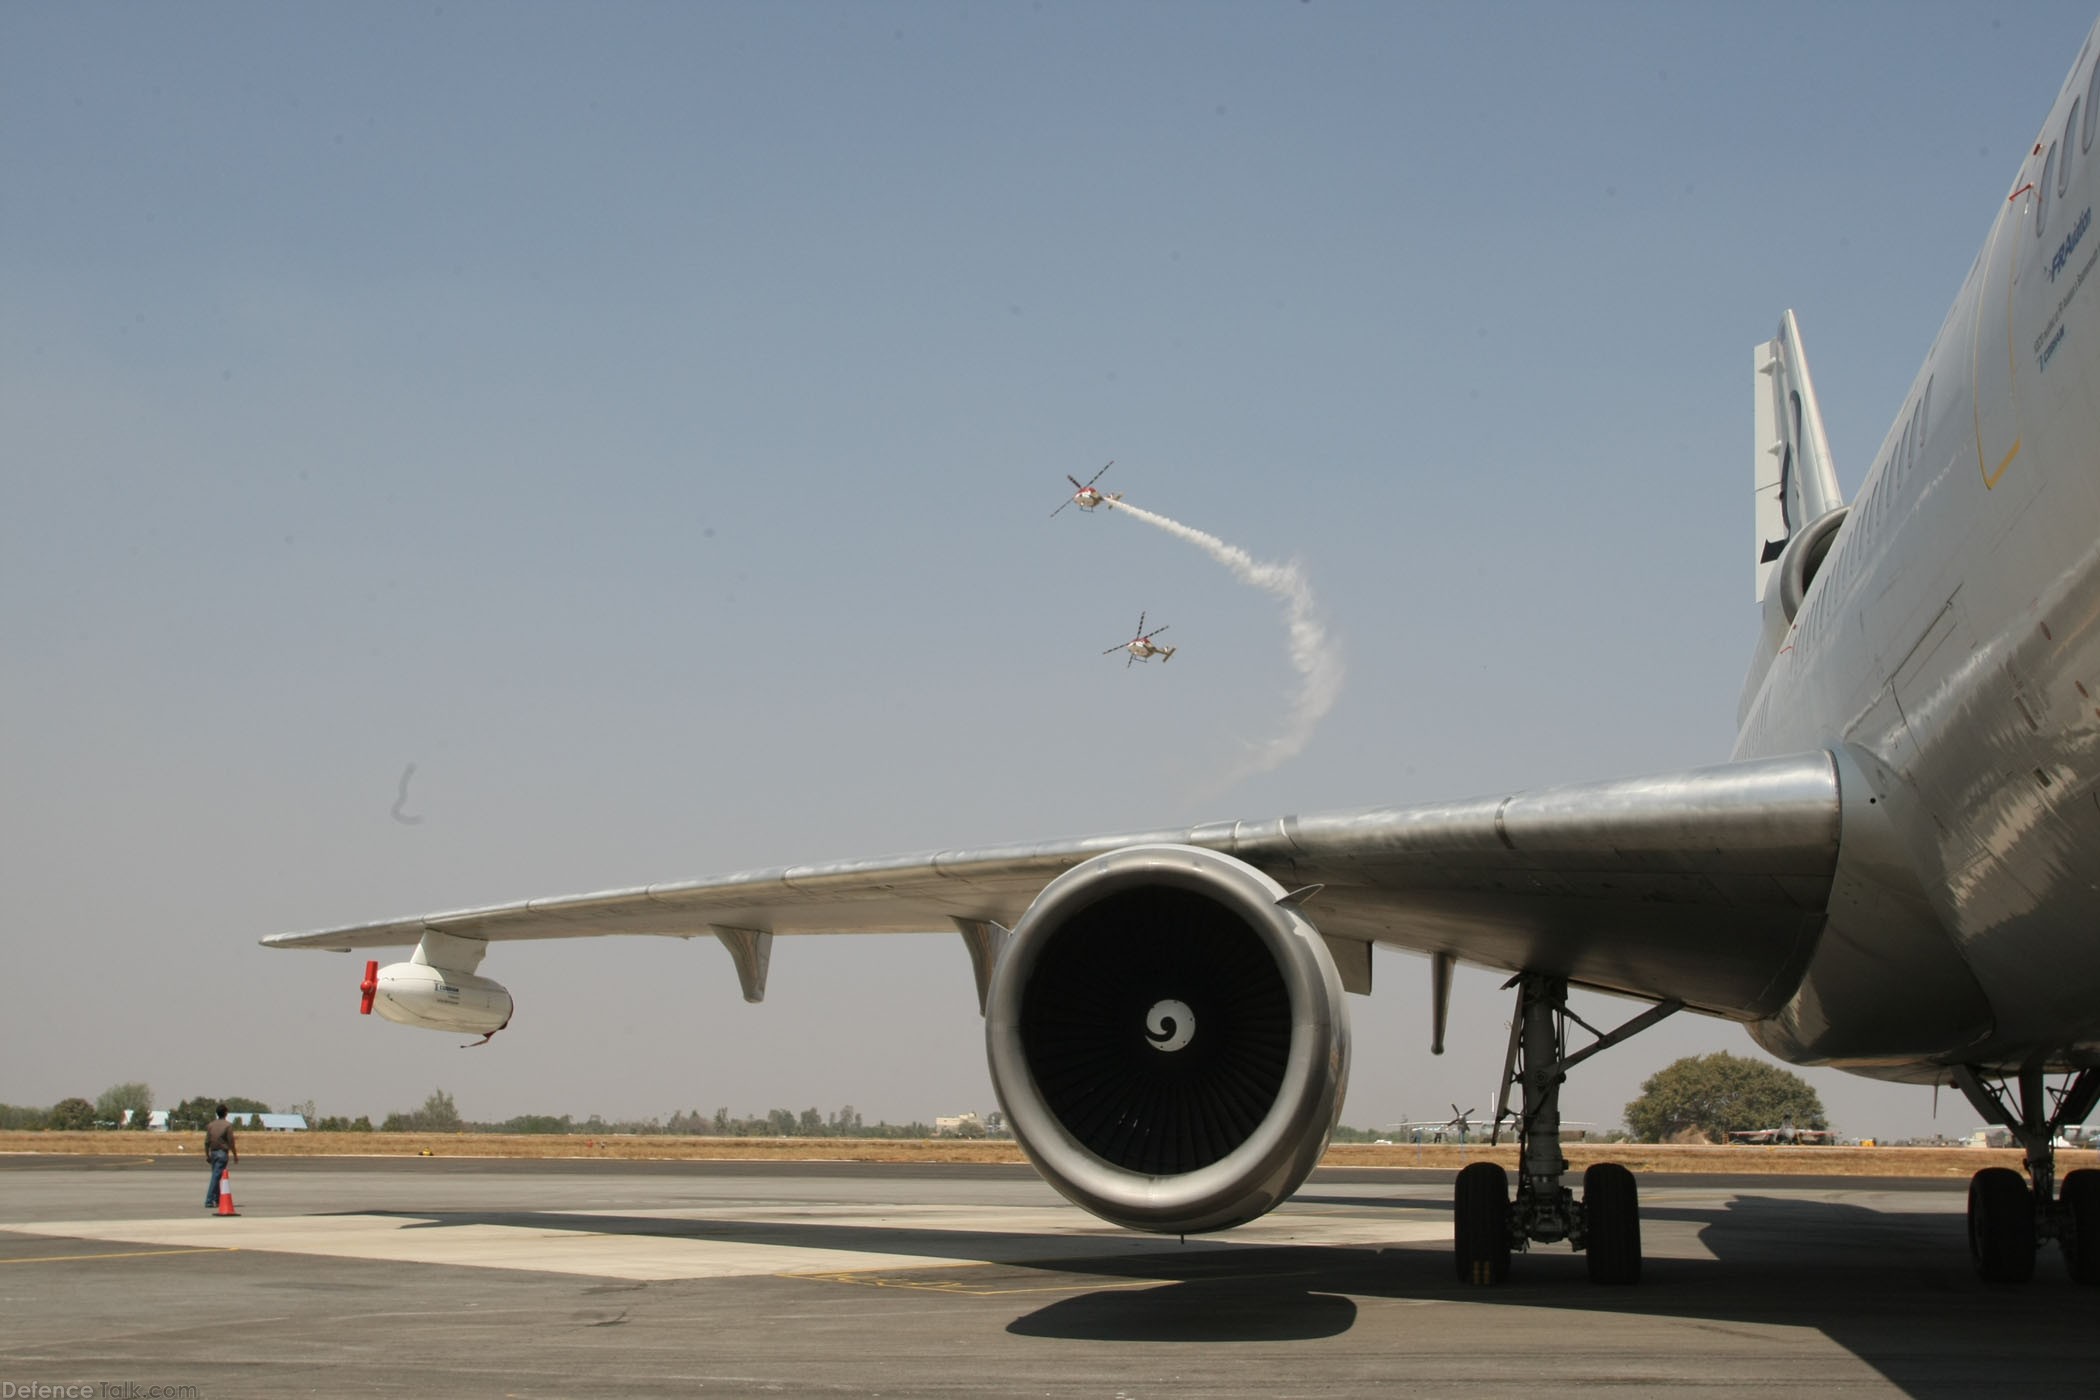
1170 1025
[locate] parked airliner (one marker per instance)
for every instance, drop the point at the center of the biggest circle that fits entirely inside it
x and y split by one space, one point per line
1897 871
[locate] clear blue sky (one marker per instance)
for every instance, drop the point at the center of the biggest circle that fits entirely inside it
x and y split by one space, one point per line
644 420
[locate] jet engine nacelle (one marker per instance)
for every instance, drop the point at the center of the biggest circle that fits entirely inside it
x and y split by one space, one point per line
1168 1039
417 994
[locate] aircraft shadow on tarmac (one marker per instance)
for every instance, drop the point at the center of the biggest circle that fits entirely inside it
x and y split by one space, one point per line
1893 1287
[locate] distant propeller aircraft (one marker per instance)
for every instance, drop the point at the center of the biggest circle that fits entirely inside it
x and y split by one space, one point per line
1786 1134
1087 497
1461 1122
1141 647
1461 1127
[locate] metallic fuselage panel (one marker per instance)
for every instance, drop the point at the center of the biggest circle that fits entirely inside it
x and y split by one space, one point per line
1964 680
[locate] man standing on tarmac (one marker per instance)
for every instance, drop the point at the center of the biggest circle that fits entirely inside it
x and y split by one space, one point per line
218 1147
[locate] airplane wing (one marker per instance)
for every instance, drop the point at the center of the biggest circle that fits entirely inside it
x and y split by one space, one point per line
1706 886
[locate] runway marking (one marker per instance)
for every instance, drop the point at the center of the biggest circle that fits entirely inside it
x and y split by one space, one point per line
121 1254
689 1244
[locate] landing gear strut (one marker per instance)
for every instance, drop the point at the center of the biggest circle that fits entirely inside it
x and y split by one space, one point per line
1606 1222
2010 1219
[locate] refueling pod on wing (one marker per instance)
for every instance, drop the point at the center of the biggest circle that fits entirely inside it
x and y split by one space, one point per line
437 989
414 994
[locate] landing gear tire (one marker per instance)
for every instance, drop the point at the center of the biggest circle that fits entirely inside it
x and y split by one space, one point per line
1611 1204
2001 1225
2080 1198
1481 1224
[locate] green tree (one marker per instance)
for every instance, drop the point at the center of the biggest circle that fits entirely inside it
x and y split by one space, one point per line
538 1123
72 1114
119 1099
339 1124
1718 1094
437 1115
191 1115
24 1118
194 1113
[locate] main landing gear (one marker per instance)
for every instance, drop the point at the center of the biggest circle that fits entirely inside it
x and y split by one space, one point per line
2008 1221
1605 1223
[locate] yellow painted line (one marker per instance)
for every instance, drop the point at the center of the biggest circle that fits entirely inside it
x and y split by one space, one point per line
126 1254
2012 365
1990 478
1990 482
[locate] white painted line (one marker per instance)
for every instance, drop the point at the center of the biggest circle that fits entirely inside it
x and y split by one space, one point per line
819 1239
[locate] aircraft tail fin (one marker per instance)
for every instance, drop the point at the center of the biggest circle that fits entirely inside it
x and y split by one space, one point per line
1797 505
1795 480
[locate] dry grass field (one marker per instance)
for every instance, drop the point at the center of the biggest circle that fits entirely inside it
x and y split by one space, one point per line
1952 1163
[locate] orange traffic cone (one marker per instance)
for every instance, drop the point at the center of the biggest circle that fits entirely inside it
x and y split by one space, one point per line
226 1193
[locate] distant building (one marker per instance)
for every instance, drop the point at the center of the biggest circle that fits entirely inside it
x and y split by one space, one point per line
270 1122
961 1125
156 1120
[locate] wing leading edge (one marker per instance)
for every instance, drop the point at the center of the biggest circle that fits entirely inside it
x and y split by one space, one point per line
1706 886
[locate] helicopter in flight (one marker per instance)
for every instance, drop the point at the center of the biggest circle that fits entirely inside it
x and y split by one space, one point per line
1087 497
1141 647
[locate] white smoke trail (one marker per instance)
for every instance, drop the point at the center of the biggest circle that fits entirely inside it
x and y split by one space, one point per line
1313 656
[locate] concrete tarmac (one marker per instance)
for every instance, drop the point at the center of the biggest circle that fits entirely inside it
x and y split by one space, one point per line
440 1276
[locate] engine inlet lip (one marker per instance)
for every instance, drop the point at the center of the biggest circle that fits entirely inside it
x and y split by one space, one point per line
1281 1149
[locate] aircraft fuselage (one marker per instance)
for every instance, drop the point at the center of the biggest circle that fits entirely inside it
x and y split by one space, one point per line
1949 652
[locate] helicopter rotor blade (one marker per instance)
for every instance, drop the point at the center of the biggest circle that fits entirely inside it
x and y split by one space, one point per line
1053 514
1097 475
